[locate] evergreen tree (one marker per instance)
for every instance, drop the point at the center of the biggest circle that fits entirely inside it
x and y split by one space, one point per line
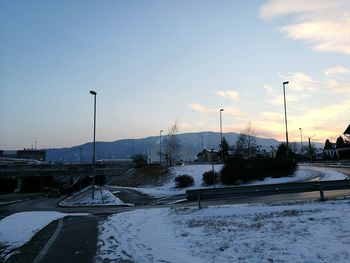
224 148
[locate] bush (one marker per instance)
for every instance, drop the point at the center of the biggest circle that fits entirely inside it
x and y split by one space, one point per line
183 181
140 160
237 170
208 177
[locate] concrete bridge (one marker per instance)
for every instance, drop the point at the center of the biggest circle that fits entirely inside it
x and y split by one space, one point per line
67 175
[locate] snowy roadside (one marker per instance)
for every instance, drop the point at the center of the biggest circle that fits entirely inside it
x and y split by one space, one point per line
284 232
303 173
17 229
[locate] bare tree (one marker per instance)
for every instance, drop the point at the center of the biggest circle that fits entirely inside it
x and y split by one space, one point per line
246 141
172 144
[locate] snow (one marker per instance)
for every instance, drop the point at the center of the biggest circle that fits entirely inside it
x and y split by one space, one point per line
326 175
303 173
284 232
168 188
102 197
17 229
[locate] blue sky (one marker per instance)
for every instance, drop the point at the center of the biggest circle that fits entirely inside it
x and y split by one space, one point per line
154 62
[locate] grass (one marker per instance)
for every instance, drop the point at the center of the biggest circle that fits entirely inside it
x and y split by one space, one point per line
144 176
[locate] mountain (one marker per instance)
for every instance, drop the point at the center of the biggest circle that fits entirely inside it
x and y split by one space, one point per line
191 145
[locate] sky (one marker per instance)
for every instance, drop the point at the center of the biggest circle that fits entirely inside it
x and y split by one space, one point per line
156 62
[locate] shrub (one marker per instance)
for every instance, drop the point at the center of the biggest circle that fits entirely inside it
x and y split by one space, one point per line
140 160
237 170
183 181
231 170
208 177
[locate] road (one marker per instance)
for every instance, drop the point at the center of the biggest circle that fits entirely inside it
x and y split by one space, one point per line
74 239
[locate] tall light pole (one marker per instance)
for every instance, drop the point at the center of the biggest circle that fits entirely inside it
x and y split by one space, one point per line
160 147
81 155
202 143
222 153
301 140
94 147
285 113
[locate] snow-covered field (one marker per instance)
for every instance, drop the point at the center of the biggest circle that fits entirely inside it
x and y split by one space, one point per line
17 229
290 232
297 232
304 173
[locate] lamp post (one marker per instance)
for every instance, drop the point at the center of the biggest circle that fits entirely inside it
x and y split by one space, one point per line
285 113
94 147
301 141
202 144
81 155
222 153
212 166
160 147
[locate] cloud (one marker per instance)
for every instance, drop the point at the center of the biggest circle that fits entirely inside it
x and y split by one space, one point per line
230 94
207 110
202 109
323 23
233 111
335 71
279 100
297 82
337 87
272 116
300 82
278 8
270 91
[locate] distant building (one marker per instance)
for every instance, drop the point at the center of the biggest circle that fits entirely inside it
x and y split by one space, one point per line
1 152
208 156
39 155
339 150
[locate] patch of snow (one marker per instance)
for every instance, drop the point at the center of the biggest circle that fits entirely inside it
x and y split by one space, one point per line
289 232
168 188
19 228
102 197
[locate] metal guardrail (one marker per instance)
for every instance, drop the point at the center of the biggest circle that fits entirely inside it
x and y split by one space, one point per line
270 189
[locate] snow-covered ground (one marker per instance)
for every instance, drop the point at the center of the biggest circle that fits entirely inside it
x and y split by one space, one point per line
19 228
102 197
304 173
289 232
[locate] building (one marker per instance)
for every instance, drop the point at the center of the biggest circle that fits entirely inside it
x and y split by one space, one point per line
39 155
339 150
208 156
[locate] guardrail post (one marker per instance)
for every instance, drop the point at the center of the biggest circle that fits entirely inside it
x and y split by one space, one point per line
321 193
199 201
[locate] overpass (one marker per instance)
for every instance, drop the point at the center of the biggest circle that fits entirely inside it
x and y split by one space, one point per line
58 174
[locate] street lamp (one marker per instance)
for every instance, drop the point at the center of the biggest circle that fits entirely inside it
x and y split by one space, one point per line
202 144
222 153
301 141
285 113
160 147
94 147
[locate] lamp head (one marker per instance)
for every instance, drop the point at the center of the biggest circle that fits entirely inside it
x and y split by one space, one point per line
93 92
286 82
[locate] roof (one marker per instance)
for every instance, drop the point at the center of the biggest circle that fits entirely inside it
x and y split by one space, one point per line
347 131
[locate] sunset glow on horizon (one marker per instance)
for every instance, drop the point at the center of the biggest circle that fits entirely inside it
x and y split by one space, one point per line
154 62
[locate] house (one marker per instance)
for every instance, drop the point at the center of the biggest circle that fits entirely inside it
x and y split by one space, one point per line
339 150
208 156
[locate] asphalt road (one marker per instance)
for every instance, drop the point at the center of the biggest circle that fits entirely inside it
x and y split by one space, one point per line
74 239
